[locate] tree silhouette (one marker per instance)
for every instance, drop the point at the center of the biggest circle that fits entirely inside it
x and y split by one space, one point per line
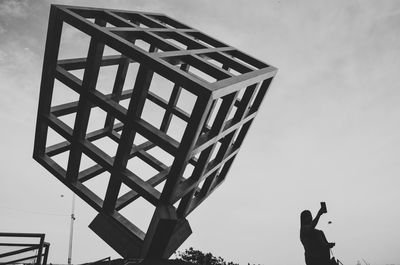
198 257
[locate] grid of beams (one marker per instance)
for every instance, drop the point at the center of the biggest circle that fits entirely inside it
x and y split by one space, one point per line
214 94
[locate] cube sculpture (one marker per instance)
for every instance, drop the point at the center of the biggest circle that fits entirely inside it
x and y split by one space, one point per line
225 88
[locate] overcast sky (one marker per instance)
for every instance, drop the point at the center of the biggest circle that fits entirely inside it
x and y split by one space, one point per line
328 131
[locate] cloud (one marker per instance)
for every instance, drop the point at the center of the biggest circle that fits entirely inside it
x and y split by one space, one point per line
21 46
14 8
3 55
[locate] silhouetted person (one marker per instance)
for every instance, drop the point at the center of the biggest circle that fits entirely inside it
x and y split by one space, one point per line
317 248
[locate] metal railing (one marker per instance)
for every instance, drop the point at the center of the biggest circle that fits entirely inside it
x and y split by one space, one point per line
22 246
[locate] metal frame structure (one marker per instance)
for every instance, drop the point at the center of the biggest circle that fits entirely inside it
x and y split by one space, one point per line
23 242
227 85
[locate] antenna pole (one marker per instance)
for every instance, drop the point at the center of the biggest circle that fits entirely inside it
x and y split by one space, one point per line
71 231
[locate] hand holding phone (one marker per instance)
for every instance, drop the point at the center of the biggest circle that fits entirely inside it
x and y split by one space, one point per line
323 207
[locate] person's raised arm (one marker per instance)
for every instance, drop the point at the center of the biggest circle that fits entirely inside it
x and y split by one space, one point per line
316 219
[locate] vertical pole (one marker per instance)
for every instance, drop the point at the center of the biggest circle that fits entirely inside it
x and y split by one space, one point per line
46 253
71 231
39 250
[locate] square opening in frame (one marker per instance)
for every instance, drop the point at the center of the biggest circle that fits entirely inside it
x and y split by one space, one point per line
61 159
140 212
106 79
153 113
63 95
107 145
55 142
141 168
186 101
162 156
161 87
98 184
176 128
74 43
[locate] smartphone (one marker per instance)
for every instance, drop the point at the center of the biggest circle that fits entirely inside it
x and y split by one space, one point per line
323 207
